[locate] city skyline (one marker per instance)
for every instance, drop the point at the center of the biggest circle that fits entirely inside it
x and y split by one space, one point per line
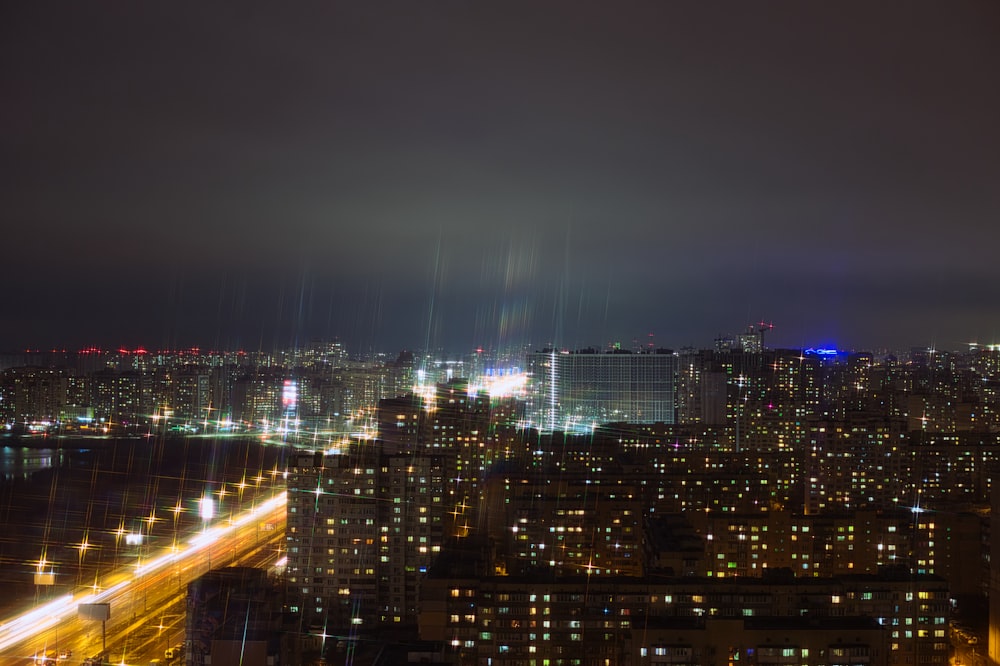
447 176
502 355
795 505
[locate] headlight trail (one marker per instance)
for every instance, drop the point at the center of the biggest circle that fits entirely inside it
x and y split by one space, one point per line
23 627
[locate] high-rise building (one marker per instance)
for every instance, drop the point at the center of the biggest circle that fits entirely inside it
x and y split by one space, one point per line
471 428
119 396
366 522
581 389
36 394
363 527
257 397
877 619
191 395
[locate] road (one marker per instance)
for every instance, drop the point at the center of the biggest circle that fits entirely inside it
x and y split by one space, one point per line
146 599
966 654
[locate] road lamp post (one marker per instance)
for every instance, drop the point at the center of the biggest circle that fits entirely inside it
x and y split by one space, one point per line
81 548
206 509
43 579
136 539
164 630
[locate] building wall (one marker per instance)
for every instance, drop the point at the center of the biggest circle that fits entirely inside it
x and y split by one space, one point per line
363 527
595 620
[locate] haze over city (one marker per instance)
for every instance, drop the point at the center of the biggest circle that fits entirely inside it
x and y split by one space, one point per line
454 175
510 333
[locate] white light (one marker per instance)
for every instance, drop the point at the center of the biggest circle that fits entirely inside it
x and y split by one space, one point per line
206 508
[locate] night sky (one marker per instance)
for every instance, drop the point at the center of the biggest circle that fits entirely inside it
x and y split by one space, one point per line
453 174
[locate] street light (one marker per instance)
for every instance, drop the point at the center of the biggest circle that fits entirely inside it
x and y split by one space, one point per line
42 577
82 549
206 508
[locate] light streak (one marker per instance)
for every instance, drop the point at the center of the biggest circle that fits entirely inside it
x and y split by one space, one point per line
24 627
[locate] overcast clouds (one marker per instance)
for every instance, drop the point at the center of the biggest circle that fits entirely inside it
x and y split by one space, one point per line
478 173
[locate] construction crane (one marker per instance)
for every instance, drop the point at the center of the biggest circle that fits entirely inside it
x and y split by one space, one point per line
763 327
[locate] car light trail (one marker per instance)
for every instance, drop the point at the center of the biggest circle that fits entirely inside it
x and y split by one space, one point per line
23 627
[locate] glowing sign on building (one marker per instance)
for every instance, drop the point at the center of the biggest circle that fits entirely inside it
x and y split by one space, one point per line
825 354
500 383
289 394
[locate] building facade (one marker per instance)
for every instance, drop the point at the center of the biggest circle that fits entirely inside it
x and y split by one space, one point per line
582 389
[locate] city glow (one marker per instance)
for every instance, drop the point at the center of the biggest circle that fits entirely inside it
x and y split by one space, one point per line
513 383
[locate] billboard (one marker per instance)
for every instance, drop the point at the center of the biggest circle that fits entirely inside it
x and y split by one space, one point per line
47 578
99 612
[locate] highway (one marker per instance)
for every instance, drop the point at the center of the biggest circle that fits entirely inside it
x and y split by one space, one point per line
147 598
